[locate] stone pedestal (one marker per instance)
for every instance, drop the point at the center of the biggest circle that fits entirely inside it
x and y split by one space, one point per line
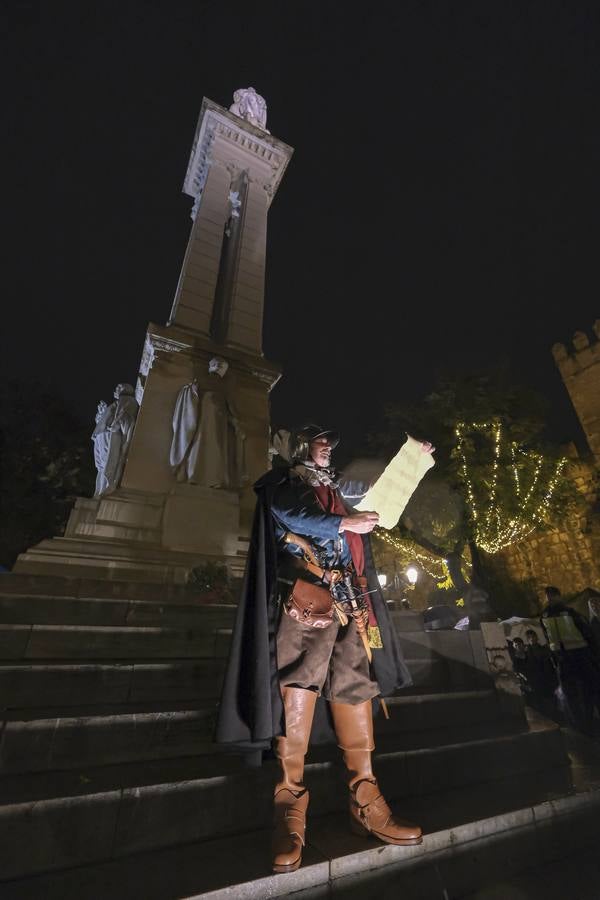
154 527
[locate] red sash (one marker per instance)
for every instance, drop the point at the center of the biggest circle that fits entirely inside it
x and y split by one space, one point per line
331 502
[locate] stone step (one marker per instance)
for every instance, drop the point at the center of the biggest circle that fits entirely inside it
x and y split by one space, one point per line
91 826
19 613
467 844
27 627
88 780
28 609
28 684
441 674
462 646
41 683
85 587
70 642
66 743
461 653
56 738
44 610
407 619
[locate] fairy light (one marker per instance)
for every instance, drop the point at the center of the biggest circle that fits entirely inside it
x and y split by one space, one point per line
493 534
407 548
459 430
517 529
491 508
435 567
515 470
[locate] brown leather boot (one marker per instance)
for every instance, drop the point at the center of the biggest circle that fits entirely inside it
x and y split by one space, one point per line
369 813
291 796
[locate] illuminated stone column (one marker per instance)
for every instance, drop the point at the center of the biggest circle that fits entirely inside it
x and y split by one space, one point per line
233 174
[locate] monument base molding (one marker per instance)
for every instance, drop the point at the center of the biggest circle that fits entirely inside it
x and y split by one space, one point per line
138 536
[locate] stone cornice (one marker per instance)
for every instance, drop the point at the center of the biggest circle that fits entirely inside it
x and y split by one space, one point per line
272 154
165 340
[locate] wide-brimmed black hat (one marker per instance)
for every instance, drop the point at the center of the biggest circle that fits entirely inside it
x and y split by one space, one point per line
310 432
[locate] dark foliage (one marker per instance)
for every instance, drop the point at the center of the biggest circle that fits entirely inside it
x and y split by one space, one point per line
46 461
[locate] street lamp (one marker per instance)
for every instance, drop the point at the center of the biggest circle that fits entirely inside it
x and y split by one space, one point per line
412 573
382 579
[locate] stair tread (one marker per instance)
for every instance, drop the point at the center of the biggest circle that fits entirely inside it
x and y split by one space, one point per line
107 661
203 867
202 707
104 629
101 711
65 738
192 603
62 785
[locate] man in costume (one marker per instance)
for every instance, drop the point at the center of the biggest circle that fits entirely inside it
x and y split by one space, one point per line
312 626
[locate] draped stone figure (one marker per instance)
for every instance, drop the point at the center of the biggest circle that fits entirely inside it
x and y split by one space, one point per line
208 446
101 441
112 436
249 105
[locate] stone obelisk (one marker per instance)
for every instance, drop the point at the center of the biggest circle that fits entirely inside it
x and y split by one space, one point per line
203 383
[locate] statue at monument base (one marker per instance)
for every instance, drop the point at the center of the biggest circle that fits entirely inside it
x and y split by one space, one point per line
112 436
208 446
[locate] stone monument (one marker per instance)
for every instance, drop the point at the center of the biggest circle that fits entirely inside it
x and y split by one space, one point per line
180 490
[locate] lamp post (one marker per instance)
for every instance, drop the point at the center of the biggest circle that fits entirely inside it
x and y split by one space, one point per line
412 574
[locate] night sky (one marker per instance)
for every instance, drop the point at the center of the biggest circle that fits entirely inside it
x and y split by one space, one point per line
441 210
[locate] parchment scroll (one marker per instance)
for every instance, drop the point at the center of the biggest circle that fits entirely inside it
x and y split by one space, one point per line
394 488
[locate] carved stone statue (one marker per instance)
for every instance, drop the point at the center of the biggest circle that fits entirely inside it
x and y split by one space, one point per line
249 105
208 446
101 441
112 436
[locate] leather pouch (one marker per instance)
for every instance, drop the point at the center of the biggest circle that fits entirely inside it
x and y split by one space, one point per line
310 604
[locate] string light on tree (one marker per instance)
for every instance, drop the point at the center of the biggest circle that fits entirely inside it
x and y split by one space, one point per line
428 562
496 532
435 567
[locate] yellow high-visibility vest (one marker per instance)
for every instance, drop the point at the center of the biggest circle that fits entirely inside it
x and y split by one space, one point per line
563 633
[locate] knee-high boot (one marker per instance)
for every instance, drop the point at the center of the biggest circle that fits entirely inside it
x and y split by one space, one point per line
291 796
369 813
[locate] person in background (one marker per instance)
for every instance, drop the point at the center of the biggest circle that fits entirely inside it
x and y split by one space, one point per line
572 644
541 675
594 617
519 657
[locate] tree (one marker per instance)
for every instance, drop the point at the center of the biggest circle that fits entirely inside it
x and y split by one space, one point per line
45 463
496 478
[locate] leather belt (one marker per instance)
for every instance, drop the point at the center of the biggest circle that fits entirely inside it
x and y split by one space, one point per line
310 560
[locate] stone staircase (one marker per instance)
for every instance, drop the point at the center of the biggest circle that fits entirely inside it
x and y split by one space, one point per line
108 695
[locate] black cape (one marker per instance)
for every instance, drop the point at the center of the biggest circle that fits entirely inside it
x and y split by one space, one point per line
251 709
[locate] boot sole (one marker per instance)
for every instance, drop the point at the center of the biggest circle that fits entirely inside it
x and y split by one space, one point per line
280 870
360 831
